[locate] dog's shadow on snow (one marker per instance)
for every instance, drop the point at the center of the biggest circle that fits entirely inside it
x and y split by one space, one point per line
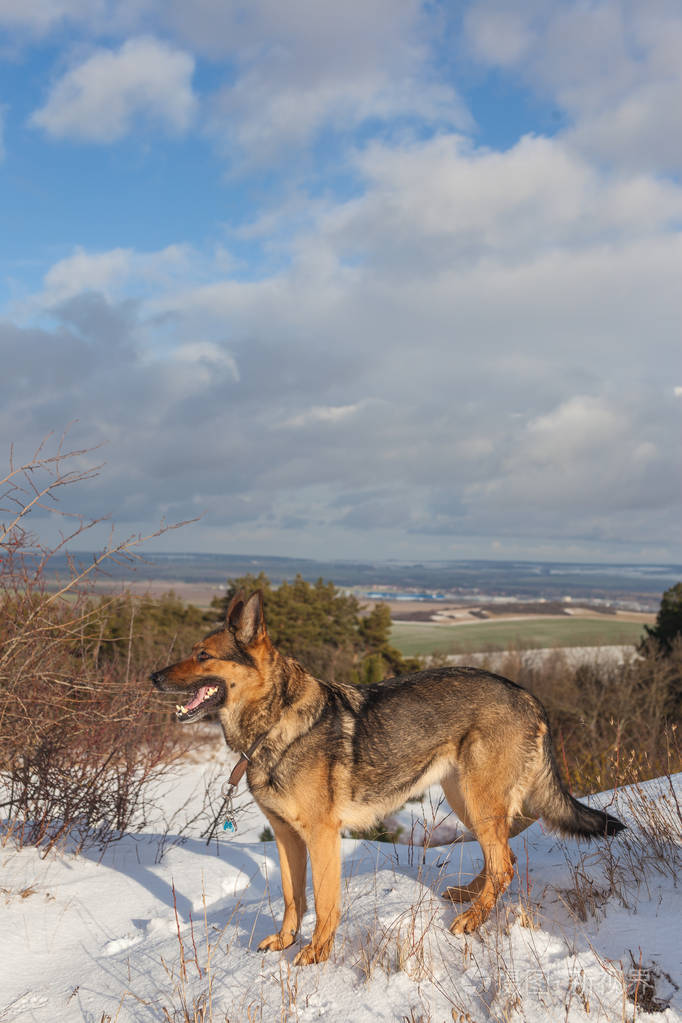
139 858
252 876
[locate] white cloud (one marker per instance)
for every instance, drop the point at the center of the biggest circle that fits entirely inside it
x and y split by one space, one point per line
641 130
445 202
612 66
210 357
109 272
323 414
99 99
599 466
501 36
265 112
582 427
85 271
187 371
527 257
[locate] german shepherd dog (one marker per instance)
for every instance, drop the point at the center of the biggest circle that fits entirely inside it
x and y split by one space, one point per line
323 756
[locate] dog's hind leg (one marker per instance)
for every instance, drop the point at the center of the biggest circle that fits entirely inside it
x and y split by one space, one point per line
487 807
292 862
455 797
324 844
492 833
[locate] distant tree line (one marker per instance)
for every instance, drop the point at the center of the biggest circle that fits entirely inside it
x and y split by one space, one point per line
327 630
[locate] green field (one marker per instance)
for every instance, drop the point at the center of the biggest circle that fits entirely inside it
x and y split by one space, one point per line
425 638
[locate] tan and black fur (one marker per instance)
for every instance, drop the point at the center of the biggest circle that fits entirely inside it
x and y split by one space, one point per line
334 755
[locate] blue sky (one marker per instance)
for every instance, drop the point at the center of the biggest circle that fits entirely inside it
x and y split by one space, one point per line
391 279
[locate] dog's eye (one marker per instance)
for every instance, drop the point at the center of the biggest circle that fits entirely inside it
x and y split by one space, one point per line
203 656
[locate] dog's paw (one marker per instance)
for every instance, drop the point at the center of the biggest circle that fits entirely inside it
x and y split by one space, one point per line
467 922
276 942
312 954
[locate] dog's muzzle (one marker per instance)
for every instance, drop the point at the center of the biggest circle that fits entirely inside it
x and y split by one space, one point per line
158 679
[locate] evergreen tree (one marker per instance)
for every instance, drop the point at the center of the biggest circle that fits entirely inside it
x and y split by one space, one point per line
324 628
668 621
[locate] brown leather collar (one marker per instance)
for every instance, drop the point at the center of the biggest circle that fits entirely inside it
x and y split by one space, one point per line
244 760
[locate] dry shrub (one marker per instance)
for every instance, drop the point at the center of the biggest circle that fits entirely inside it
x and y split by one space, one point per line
653 841
612 720
77 744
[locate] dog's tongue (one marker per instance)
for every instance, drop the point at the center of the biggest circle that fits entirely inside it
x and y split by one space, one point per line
198 698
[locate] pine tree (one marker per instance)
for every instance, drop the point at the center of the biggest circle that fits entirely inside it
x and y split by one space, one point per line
668 621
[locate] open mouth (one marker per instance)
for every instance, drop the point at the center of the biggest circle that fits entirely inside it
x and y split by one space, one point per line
205 698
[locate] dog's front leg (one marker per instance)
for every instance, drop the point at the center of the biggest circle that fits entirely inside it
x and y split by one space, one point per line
292 863
324 843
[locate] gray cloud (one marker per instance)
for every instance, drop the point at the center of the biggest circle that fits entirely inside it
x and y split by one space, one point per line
439 439
461 355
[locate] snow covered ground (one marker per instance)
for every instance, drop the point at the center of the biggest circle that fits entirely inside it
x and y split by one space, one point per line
572 655
152 930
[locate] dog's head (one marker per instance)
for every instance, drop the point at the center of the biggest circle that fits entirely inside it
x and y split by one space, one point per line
224 666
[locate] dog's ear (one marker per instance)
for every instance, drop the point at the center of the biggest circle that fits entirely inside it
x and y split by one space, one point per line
248 620
234 609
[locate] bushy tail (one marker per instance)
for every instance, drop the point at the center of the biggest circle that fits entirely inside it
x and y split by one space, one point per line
551 800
